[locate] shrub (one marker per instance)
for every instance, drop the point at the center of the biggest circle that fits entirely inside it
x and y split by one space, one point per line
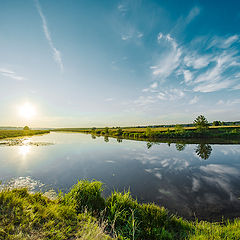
86 195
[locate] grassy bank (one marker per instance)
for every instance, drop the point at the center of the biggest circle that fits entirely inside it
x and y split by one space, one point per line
216 133
20 133
84 214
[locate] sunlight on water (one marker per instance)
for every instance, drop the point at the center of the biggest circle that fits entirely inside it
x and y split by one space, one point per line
24 150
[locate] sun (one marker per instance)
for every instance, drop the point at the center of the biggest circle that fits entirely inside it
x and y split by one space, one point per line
27 111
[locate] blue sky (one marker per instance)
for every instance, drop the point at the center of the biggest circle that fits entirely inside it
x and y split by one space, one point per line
117 63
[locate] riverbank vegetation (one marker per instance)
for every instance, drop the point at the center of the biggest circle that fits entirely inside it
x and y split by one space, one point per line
83 213
200 129
20 133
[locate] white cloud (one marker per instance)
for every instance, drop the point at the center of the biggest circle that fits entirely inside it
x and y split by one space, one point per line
126 37
187 76
221 42
192 14
194 100
108 99
214 79
195 61
56 53
171 94
11 74
212 87
169 60
145 100
152 88
229 102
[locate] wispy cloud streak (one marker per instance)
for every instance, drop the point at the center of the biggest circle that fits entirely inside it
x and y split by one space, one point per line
10 74
56 53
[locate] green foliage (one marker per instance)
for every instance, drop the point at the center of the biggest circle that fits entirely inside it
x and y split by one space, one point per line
216 123
148 132
201 123
132 220
119 131
26 128
34 216
93 130
86 195
106 130
20 133
179 129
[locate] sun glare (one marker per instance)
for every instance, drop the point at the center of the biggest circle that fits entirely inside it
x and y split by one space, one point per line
27 111
24 150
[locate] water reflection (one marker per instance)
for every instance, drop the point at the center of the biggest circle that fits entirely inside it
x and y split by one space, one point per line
169 176
24 150
203 151
149 145
180 146
119 140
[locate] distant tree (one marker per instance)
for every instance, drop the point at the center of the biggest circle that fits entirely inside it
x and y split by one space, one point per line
93 130
178 128
148 131
119 131
223 123
216 123
106 130
201 123
26 128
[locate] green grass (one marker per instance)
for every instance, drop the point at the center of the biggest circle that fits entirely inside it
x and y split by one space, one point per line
20 133
84 214
216 134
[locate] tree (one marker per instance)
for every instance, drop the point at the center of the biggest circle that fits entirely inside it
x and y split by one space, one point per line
201 123
26 128
119 131
216 123
106 130
148 132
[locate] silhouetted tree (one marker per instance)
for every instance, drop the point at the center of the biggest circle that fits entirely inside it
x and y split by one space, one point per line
201 123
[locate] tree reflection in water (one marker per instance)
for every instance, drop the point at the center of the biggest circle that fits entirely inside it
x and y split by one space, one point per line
119 140
203 150
149 145
180 146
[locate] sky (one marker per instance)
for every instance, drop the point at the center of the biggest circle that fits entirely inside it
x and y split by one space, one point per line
85 63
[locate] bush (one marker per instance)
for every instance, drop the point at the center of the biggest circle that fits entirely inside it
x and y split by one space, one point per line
86 195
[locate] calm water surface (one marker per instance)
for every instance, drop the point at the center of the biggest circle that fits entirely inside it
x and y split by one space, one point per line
191 180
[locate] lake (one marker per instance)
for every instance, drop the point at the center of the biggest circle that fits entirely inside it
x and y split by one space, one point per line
193 180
